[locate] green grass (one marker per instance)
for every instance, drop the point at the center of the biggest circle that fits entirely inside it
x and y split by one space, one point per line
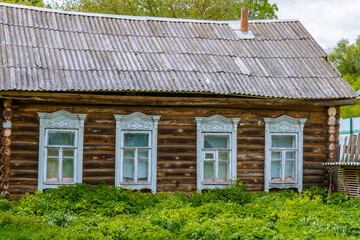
82 212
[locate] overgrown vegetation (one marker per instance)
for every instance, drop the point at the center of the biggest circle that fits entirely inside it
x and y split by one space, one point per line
195 9
346 58
82 212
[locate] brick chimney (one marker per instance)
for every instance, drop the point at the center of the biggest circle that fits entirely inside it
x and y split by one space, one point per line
244 20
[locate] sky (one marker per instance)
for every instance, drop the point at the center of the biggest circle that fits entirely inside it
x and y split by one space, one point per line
328 21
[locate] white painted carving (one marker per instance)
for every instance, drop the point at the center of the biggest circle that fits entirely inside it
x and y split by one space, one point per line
136 125
61 124
216 128
284 127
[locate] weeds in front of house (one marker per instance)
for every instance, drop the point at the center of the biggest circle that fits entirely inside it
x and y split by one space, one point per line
83 212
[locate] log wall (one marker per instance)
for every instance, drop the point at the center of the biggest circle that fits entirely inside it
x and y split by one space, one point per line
176 167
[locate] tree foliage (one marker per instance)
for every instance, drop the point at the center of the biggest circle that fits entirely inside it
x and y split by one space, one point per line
35 3
193 9
346 58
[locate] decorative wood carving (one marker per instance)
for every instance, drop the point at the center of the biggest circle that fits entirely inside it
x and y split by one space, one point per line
5 148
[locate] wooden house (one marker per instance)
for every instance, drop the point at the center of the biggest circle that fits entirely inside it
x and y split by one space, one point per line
163 104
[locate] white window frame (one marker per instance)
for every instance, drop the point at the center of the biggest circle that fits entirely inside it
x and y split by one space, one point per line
136 123
284 126
216 125
60 121
136 182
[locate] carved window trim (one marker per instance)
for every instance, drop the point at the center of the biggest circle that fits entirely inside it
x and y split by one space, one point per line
215 125
61 121
136 123
284 125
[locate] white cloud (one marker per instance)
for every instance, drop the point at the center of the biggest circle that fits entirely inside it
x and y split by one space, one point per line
328 21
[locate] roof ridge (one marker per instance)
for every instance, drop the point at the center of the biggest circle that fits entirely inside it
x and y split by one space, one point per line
140 18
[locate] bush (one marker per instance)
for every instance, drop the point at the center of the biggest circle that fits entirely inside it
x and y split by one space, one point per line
5 205
236 193
83 212
85 200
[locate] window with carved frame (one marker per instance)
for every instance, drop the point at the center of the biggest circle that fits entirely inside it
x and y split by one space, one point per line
60 149
136 150
283 152
216 151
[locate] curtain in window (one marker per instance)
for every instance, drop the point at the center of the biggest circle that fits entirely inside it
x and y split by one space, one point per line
136 140
61 138
282 141
215 141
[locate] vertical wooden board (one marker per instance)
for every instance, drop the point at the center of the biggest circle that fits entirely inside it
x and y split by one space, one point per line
357 149
346 148
353 147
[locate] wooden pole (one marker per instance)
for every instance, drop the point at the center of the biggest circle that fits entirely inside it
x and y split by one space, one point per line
5 147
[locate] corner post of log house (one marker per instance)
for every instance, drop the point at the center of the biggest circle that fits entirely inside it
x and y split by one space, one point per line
332 135
332 125
5 147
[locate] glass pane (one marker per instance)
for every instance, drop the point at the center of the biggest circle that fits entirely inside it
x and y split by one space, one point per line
52 170
136 140
275 155
283 141
275 171
68 170
143 165
289 170
223 156
61 138
53 152
128 170
68 152
290 156
209 175
209 155
129 153
223 171
215 141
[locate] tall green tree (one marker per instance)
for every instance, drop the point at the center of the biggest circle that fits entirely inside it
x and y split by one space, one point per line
194 9
36 3
346 58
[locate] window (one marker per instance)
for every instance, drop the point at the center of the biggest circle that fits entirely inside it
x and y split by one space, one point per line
60 149
283 152
216 151
136 149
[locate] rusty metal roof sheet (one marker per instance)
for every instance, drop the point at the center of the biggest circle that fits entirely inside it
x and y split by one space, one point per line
47 50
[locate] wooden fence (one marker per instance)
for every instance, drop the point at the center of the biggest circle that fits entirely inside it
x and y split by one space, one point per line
348 165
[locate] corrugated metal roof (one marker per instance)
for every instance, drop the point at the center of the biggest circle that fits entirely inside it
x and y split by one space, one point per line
47 50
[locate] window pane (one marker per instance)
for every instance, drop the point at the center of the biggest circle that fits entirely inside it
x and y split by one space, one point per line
223 171
283 141
223 156
275 155
129 153
275 171
290 156
215 141
128 166
143 165
61 138
52 170
209 156
68 170
136 140
53 152
289 170
68 152
209 172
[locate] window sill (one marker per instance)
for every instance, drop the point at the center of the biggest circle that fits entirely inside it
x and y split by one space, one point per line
216 183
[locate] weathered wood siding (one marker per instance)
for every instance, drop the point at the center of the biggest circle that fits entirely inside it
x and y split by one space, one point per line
176 167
